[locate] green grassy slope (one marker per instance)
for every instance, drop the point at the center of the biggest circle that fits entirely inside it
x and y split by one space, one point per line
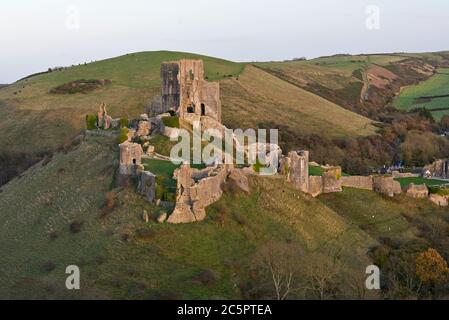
122 257
257 97
431 94
39 121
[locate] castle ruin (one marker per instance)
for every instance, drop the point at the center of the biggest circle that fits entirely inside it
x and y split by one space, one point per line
185 91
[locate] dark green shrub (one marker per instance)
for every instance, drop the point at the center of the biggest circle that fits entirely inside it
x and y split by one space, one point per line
172 122
124 122
123 135
91 121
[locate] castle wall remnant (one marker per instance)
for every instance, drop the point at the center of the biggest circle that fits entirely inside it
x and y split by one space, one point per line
386 186
439 200
170 87
358 182
130 158
197 189
147 185
417 191
438 169
315 186
332 180
105 121
296 167
185 91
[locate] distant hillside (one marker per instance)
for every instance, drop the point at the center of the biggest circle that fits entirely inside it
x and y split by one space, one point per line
432 94
258 97
365 84
3 85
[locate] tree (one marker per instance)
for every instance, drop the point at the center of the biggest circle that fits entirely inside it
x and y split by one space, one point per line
277 267
431 268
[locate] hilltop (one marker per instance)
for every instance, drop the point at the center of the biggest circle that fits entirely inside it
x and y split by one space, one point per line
68 209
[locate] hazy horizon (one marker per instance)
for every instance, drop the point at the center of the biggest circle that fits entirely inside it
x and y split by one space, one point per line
53 33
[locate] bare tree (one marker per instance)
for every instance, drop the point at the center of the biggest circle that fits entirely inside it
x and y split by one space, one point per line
277 266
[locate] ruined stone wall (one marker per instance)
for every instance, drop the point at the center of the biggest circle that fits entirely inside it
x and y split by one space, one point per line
191 80
197 189
386 186
417 191
332 180
358 182
439 200
130 158
296 167
211 100
439 169
315 186
147 185
170 91
185 91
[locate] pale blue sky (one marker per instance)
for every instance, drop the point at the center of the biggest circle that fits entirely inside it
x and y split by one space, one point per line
34 33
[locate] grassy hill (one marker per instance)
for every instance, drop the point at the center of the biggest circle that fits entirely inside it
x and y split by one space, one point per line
365 84
432 94
39 121
122 257
258 97
56 215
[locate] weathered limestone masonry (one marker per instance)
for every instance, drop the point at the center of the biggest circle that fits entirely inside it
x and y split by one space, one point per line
386 186
438 169
130 158
170 87
296 167
185 91
442 201
358 182
131 167
332 180
105 121
197 189
417 191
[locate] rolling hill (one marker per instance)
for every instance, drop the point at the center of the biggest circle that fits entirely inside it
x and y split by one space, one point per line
365 84
123 257
39 122
66 209
432 94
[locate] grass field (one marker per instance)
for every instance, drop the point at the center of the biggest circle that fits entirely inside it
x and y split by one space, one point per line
122 257
258 97
39 121
418 180
431 94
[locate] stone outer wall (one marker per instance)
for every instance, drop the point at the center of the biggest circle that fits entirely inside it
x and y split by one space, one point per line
386 186
170 95
441 201
358 182
438 169
417 191
296 167
147 186
315 186
332 180
130 157
193 196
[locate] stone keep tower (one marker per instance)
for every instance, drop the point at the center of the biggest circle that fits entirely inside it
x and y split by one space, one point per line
185 91
296 166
